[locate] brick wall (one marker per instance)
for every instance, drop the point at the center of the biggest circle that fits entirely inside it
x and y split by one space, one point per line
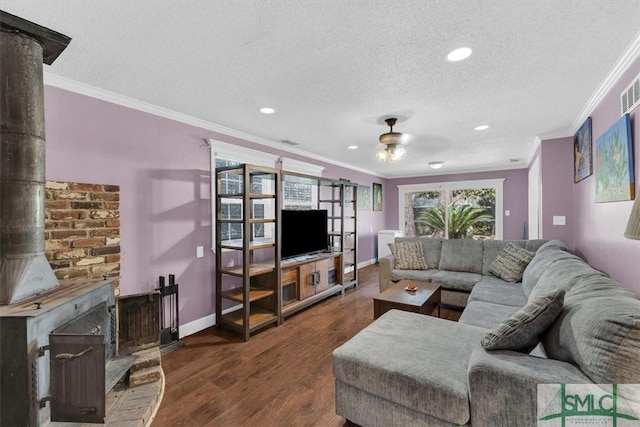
82 229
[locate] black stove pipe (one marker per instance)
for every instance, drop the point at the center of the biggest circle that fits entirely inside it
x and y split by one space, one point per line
24 46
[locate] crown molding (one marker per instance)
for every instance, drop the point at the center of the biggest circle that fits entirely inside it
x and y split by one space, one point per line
630 55
490 168
60 82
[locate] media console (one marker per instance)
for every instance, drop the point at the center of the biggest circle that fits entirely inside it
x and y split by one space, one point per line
309 279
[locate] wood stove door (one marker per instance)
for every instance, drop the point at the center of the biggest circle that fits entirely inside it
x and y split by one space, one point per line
77 378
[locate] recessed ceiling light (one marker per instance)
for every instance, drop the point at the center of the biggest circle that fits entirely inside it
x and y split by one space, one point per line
482 127
352 147
436 165
267 110
459 54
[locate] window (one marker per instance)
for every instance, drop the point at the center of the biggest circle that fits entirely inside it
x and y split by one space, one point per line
452 210
232 208
299 193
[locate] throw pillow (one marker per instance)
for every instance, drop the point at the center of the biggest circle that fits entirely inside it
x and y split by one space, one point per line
522 331
511 263
408 255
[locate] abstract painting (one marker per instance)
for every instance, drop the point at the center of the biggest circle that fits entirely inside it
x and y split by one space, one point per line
614 163
364 198
377 197
582 152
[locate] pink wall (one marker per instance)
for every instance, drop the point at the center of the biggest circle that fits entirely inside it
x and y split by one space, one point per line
514 189
162 168
557 187
598 227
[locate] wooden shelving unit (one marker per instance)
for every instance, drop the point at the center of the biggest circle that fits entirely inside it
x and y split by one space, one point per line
248 266
254 287
340 200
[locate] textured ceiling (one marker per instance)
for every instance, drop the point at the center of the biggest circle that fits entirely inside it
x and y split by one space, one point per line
334 69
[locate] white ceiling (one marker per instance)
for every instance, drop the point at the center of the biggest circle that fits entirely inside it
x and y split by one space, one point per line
334 69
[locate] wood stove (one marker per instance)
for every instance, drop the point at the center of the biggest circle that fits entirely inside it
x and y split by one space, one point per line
41 320
26 348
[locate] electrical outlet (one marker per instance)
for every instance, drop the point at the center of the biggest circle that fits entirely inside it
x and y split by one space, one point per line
199 251
559 220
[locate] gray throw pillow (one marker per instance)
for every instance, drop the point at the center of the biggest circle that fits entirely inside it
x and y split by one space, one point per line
522 331
408 255
511 263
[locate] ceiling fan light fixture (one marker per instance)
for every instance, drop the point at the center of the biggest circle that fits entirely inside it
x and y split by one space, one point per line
392 140
436 165
397 154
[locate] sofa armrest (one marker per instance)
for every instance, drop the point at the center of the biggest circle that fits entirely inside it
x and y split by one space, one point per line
503 385
387 263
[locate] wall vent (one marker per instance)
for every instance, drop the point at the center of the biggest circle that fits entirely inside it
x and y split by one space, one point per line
630 97
286 141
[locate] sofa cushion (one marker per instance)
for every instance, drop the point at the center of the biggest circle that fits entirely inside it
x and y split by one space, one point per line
538 265
555 244
412 360
431 248
564 273
521 332
457 280
493 289
595 285
408 255
601 335
397 275
486 314
493 247
511 262
461 255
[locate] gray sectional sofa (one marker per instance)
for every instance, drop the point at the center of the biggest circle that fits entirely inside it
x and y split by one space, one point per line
408 369
458 265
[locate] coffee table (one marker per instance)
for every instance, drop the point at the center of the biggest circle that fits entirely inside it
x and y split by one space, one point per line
423 300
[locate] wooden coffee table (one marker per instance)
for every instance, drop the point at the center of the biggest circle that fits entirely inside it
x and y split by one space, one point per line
423 300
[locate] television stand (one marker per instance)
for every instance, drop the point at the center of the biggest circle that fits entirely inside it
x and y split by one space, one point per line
309 280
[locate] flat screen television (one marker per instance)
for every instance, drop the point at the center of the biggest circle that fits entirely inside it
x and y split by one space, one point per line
303 232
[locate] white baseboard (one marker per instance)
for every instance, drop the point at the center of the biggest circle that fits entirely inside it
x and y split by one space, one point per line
210 320
203 323
197 325
364 264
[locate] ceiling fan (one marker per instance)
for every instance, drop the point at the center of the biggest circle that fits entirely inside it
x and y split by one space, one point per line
392 141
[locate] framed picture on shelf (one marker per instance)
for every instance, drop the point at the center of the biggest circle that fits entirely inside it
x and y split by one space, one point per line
377 197
364 198
583 152
614 163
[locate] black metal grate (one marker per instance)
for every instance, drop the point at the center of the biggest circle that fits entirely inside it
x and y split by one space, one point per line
138 320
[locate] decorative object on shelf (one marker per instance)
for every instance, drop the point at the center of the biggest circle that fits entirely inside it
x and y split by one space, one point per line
583 152
377 197
436 165
364 198
614 163
633 226
392 141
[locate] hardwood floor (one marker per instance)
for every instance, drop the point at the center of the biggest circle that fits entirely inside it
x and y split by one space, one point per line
281 377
